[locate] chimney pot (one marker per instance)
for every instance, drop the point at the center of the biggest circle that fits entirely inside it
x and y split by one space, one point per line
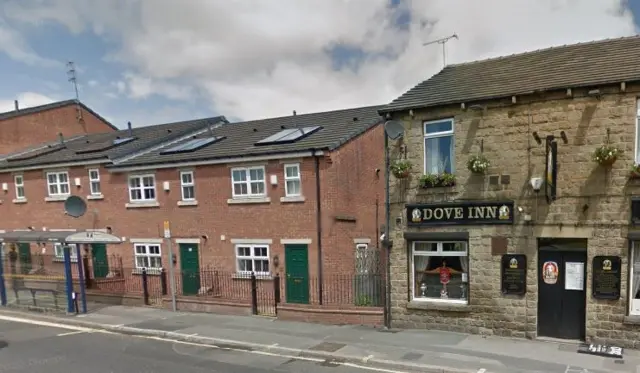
130 129
294 112
61 137
15 103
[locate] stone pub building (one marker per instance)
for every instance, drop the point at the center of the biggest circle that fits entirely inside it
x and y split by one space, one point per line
518 216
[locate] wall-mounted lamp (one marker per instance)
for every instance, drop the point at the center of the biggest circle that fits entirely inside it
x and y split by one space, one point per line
536 183
411 114
563 135
536 137
595 93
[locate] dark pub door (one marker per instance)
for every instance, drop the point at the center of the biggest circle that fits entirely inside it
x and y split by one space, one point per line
561 292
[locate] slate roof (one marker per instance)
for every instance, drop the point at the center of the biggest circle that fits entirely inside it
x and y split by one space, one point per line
95 147
51 106
568 66
338 127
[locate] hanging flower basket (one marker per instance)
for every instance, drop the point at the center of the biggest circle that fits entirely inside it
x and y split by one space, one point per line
606 155
478 164
635 171
437 180
401 169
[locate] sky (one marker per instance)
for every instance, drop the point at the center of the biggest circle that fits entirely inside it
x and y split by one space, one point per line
158 61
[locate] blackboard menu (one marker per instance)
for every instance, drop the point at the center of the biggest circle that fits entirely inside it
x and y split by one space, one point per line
607 275
514 274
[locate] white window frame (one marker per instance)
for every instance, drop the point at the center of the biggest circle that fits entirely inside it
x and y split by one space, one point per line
142 188
191 185
297 178
253 259
634 306
438 253
59 253
434 135
19 186
147 255
58 184
248 182
95 181
636 145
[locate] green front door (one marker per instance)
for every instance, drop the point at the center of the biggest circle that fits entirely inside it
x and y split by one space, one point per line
99 260
190 268
297 268
24 257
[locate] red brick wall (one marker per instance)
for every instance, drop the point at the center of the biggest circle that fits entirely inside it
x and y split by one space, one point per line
350 186
30 129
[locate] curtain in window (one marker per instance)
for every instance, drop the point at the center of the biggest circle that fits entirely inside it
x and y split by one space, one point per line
438 154
636 271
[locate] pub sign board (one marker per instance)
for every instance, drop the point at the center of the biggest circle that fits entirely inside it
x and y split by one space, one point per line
513 274
607 276
460 213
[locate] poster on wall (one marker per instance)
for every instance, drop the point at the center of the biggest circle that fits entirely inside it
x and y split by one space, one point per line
606 277
550 272
514 274
574 276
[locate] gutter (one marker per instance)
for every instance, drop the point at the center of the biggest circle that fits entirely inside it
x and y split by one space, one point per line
316 158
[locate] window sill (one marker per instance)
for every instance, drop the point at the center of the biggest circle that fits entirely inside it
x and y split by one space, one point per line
20 200
150 271
247 276
439 305
292 199
95 197
141 205
631 320
56 198
187 203
248 200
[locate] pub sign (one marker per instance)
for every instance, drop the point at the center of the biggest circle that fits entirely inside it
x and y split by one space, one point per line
460 213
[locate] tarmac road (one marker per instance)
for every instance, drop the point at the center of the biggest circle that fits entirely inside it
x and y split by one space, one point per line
43 349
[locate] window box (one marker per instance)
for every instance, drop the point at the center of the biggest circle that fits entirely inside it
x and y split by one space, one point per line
444 180
440 272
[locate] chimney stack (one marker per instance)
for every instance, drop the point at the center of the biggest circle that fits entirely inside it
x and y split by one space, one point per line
130 129
15 103
294 113
61 137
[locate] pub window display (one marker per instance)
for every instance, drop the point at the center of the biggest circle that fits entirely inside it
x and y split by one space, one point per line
634 285
440 271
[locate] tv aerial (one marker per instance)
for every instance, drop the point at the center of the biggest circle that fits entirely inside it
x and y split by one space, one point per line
443 41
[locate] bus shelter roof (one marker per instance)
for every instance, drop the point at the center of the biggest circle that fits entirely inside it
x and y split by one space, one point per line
66 237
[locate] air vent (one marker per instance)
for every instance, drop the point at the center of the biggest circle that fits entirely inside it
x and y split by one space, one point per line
635 211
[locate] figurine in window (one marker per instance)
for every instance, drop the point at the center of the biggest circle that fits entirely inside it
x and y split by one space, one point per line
445 273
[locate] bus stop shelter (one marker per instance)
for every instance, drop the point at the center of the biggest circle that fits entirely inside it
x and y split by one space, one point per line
64 238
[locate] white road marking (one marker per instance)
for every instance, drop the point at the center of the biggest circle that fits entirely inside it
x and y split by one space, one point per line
79 329
482 370
71 333
274 345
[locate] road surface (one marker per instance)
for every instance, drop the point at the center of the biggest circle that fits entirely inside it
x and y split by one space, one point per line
54 349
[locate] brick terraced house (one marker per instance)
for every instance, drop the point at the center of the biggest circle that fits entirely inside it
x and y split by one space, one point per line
301 196
519 216
26 127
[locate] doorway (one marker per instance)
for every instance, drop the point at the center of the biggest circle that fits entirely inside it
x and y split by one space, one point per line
99 260
190 268
297 271
24 257
562 278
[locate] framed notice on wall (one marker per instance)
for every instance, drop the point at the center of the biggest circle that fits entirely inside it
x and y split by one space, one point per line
513 274
607 276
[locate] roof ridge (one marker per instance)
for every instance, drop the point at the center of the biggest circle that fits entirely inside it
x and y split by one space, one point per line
590 42
312 113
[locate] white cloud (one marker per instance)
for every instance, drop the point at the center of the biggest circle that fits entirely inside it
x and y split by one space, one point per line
25 100
267 58
14 46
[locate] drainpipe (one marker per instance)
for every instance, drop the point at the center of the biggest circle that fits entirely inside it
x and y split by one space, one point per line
386 241
318 224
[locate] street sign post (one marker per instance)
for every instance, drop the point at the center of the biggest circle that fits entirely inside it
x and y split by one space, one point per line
172 280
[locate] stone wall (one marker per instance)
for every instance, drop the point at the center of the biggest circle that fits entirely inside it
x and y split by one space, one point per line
592 202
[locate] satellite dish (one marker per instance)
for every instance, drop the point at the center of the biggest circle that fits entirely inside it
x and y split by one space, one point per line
75 206
394 129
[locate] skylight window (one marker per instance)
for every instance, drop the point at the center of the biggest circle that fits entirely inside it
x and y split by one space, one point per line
289 135
123 140
192 145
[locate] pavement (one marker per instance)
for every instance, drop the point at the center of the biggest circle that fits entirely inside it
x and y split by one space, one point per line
28 348
365 347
